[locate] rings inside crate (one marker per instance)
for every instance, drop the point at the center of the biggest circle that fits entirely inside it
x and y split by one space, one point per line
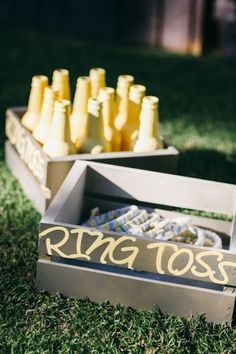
153 222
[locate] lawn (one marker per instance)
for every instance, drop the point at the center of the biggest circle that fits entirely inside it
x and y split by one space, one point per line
198 116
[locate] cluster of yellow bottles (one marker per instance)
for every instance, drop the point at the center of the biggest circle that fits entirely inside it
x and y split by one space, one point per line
101 119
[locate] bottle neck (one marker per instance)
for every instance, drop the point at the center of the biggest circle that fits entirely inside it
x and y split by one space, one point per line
94 119
136 95
36 99
149 117
108 110
81 98
148 122
123 86
48 105
63 88
60 129
98 81
94 130
60 83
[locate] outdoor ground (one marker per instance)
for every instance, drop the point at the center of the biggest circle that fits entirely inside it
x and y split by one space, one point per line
198 116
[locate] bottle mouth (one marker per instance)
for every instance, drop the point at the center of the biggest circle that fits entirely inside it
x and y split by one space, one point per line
137 92
106 93
97 73
60 74
138 88
151 99
83 80
125 79
39 80
150 102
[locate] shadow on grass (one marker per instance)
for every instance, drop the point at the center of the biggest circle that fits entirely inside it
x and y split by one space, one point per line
208 164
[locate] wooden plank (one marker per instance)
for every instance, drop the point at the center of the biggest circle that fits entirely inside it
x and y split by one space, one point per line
160 188
138 292
168 150
165 160
28 148
56 173
27 181
134 252
69 199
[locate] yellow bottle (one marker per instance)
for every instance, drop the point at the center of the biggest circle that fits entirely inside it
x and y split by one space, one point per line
42 129
148 135
110 136
122 100
79 116
130 129
61 83
31 117
98 80
93 143
58 142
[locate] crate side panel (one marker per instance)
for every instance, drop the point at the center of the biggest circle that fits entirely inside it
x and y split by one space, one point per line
28 149
139 293
27 181
142 254
68 202
56 173
159 188
160 163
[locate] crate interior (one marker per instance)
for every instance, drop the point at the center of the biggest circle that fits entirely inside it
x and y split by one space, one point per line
20 111
99 191
94 189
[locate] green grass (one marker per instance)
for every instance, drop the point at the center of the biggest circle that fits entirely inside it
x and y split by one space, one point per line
197 112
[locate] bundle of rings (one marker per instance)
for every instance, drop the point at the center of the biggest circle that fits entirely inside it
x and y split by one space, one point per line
134 221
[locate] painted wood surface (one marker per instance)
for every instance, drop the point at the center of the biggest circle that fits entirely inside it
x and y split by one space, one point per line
59 237
160 188
28 182
138 292
51 172
26 146
132 185
139 253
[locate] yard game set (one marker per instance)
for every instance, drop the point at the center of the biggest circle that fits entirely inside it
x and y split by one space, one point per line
113 226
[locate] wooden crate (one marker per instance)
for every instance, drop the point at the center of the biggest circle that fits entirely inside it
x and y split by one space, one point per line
47 174
181 279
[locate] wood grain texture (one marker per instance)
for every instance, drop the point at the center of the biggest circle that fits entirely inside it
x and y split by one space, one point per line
69 200
54 170
28 182
150 255
137 292
28 149
160 188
